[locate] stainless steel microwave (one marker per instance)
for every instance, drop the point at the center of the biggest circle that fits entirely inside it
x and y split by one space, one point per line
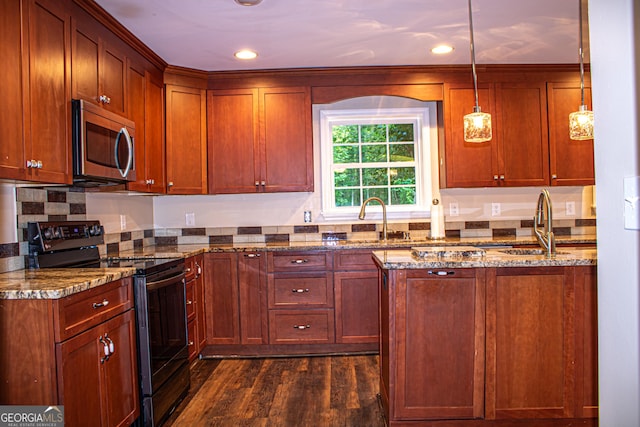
103 146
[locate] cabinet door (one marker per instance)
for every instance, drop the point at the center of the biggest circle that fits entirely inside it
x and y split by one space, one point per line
154 150
254 327
530 343
12 154
356 305
439 344
198 283
286 139
113 69
186 140
586 342
571 161
49 91
233 140
120 381
136 108
522 129
468 164
221 298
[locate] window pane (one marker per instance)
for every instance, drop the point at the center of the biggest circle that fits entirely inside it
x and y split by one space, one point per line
401 153
374 153
345 154
401 132
345 134
347 178
348 197
403 176
375 176
377 192
374 133
403 196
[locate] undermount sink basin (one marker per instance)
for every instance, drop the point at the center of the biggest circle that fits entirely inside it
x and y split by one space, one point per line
528 252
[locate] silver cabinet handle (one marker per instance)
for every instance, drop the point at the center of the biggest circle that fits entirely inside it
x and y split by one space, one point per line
301 327
129 141
104 303
105 349
299 291
112 346
104 99
199 269
441 273
190 343
299 261
189 302
252 255
34 164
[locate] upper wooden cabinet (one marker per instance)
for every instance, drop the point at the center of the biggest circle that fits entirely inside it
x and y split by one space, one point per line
186 140
145 104
517 155
571 161
260 140
99 66
47 93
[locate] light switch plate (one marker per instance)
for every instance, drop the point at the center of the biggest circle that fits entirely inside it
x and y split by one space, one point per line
632 203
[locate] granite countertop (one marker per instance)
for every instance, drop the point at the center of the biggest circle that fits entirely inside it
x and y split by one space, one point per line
54 283
418 259
59 283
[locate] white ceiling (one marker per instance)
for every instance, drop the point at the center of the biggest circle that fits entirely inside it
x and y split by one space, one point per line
204 34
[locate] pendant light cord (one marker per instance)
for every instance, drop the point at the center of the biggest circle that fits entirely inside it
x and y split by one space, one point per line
473 58
581 54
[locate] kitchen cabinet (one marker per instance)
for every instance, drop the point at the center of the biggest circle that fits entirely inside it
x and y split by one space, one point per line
432 344
81 351
530 343
195 305
355 280
571 162
260 140
186 143
236 299
300 287
44 152
145 104
99 66
518 154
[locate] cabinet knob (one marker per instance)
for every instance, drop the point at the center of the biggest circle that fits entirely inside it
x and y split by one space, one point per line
104 303
502 177
190 343
263 183
301 327
104 99
170 184
554 176
189 302
252 255
495 177
257 183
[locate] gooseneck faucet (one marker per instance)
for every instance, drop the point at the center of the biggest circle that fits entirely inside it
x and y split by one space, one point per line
384 214
546 238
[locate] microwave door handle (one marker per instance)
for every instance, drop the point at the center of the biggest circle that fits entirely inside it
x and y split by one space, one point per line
127 137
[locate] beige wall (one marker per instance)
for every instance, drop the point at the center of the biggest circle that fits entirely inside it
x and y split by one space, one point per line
8 225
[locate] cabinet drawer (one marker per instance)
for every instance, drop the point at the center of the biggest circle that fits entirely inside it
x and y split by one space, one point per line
192 267
303 289
191 300
354 259
299 261
301 326
81 311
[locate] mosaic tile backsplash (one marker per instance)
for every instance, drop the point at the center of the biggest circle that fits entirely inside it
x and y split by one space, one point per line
60 204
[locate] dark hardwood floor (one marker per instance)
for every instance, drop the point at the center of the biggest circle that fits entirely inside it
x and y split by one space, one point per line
299 391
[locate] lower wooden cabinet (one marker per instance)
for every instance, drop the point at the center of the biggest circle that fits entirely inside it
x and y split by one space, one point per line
254 328
302 326
75 351
195 305
491 346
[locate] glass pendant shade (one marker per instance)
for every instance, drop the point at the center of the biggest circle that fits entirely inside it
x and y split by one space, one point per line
581 124
477 126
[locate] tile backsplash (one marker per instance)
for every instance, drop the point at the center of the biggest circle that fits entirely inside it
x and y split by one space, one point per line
69 203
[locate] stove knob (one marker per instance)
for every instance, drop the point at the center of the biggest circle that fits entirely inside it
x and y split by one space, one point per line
48 233
95 230
57 232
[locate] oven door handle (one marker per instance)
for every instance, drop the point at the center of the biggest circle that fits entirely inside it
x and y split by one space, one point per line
165 282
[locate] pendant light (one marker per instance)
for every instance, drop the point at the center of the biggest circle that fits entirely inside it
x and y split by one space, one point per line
581 121
477 125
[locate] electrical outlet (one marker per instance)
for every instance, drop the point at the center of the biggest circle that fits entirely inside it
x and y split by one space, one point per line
190 218
570 208
453 209
123 222
495 209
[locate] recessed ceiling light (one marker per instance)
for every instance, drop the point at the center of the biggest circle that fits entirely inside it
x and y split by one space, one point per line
442 49
245 54
248 2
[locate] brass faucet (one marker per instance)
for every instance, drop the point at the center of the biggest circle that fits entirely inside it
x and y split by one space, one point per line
546 238
384 214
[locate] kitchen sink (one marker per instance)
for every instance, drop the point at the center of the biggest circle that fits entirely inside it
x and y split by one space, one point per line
529 252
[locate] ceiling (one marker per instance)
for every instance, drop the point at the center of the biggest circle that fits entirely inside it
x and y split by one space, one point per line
204 34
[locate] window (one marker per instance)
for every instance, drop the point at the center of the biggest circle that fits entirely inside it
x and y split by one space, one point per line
381 153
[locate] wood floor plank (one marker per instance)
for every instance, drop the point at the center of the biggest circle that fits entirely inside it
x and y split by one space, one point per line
301 391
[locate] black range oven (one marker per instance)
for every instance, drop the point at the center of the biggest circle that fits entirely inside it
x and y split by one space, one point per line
160 304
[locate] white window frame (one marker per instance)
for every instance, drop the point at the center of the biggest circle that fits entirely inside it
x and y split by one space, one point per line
422 135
